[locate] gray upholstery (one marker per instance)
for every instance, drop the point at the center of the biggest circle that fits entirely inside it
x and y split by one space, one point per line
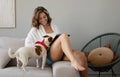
30 72
64 69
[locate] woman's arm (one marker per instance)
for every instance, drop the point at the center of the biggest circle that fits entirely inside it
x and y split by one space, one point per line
30 39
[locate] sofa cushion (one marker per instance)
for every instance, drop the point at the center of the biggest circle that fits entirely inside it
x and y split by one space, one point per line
11 42
5 43
31 62
30 72
64 69
4 58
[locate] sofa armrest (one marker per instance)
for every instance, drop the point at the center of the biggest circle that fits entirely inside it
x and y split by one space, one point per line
64 69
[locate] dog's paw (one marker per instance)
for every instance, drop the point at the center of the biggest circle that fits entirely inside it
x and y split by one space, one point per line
18 66
37 66
42 68
24 69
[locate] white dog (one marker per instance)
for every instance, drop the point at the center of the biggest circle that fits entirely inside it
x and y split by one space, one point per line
38 51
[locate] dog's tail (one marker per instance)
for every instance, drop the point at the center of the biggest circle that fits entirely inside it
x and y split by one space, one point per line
11 54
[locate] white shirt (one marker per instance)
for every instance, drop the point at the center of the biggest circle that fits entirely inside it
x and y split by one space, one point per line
37 34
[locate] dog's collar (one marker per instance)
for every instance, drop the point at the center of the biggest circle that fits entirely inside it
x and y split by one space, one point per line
38 42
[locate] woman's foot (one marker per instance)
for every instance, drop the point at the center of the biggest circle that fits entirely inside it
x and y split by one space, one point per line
79 61
77 66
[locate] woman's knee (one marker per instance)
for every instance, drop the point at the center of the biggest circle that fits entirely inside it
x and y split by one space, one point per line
83 56
64 35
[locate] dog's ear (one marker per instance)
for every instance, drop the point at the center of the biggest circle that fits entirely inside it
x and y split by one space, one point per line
38 50
50 39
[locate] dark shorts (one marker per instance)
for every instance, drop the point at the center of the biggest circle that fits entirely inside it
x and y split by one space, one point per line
49 61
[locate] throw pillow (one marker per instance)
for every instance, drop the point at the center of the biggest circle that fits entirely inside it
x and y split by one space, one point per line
100 56
11 42
4 58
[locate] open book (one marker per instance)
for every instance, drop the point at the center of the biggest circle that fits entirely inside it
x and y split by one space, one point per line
56 38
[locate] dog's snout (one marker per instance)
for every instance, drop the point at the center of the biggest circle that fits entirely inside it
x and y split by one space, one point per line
50 39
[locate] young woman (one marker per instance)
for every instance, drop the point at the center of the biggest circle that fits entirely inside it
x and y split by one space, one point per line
60 48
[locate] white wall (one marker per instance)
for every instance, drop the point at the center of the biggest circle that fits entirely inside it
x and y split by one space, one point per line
82 19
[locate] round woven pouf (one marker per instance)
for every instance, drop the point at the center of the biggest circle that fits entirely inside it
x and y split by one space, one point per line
100 56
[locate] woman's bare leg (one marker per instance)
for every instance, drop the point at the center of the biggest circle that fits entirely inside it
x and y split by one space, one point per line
63 44
82 59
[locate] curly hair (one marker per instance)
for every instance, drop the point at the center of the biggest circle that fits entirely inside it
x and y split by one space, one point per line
35 19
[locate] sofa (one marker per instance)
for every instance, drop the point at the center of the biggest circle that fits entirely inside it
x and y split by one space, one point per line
8 66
